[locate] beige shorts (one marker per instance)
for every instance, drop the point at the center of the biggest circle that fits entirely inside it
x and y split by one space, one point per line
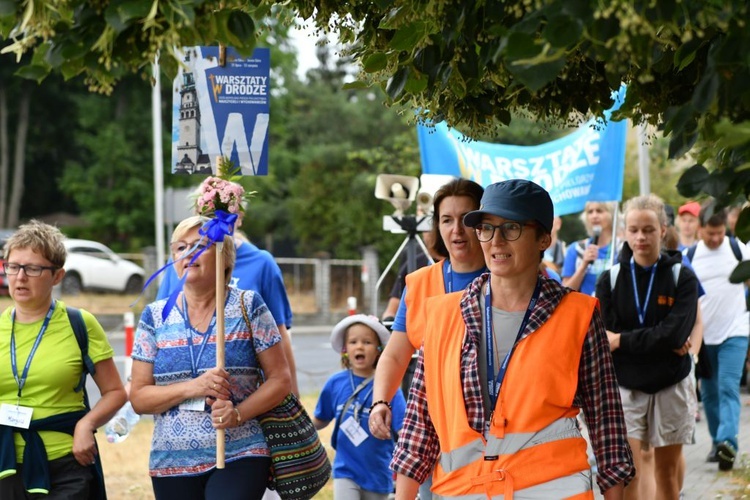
662 419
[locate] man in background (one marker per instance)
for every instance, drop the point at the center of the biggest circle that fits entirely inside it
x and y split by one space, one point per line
687 224
725 332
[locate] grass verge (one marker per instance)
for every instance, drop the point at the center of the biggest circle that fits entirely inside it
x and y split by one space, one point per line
741 476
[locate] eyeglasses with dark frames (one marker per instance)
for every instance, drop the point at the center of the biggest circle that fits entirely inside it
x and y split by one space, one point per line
31 270
510 231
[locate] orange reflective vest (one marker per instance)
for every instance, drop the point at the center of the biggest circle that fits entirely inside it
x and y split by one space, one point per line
533 440
425 282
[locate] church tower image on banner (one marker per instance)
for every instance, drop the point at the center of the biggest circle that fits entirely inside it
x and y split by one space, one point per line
192 159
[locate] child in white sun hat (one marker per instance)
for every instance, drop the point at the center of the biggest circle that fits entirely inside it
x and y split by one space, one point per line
360 468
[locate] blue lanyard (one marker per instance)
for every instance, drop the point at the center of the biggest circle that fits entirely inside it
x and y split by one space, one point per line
193 360
641 308
493 386
13 363
448 270
357 403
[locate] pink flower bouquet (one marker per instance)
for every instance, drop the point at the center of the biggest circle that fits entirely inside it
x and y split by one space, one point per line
215 194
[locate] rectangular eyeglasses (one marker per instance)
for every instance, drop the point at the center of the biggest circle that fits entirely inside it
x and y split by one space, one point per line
510 231
31 270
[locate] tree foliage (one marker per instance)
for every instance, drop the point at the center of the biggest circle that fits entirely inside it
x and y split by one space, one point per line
109 183
474 63
469 62
324 165
663 173
106 41
36 133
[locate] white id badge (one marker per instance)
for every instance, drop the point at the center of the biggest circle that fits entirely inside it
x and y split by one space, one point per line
193 404
353 431
15 416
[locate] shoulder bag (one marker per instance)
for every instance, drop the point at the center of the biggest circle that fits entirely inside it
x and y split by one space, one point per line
299 463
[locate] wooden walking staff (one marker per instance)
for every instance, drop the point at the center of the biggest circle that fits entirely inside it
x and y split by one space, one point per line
220 351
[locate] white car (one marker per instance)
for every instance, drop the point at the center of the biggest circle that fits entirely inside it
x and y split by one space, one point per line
93 266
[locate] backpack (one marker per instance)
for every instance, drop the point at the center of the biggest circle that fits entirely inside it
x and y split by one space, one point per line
82 337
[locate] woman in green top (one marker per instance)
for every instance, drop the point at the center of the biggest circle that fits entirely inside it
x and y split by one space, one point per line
43 414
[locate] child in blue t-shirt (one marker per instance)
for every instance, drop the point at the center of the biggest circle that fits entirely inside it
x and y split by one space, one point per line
360 468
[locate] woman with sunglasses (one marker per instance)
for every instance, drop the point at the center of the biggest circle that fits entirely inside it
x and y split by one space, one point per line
175 378
461 262
46 428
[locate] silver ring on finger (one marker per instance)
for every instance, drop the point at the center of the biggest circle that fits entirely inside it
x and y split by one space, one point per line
221 420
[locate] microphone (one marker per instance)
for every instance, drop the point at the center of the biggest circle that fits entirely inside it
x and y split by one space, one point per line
597 232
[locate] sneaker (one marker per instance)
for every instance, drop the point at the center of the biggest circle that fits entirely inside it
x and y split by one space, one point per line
712 458
726 453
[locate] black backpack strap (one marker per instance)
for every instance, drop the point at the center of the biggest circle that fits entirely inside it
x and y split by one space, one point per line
82 337
98 489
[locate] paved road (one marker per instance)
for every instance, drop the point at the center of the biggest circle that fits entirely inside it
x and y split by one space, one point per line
316 361
702 479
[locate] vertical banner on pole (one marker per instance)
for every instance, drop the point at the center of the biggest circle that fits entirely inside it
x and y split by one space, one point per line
220 128
221 111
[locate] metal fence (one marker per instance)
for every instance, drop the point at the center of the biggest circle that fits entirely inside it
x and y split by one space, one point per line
318 288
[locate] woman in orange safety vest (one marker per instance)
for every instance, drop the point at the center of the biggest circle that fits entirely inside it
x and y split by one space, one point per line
496 393
463 261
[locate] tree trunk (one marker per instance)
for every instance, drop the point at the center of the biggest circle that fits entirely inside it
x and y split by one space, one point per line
4 153
19 158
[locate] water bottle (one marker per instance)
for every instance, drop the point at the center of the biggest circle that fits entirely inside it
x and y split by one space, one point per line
118 428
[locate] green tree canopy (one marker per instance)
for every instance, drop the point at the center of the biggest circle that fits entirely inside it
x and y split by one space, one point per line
469 62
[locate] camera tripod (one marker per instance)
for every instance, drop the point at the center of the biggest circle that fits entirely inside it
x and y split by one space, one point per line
410 224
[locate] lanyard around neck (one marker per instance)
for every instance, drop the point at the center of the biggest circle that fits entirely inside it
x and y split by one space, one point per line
641 308
355 394
195 361
21 381
448 276
494 383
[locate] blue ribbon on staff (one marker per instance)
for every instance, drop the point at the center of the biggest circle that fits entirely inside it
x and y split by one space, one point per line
220 226
214 230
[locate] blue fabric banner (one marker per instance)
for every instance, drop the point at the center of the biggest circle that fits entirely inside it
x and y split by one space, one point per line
586 165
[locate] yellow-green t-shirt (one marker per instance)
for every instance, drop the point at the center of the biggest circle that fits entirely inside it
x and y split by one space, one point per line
54 372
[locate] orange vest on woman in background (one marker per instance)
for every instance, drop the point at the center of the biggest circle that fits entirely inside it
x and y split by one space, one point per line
533 442
420 285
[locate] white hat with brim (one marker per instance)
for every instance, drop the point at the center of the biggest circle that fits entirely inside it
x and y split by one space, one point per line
339 331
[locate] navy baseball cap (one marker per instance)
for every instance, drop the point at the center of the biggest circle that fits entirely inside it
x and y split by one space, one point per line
515 199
